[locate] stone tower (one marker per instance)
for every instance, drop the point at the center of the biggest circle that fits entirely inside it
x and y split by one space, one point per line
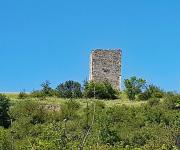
105 64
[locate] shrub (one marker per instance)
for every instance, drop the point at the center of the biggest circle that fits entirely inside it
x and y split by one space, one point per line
172 101
4 108
46 89
37 94
69 109
32 110
100 90
109 137
69 89
139 138
100 105
134 86
151 91
5 140
22 95
144 96
153 101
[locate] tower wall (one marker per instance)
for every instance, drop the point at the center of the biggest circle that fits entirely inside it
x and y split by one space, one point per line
106 65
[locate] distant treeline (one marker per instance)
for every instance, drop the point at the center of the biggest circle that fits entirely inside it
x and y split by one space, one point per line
135 88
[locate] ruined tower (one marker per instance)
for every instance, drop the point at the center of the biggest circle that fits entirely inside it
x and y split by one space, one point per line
105 64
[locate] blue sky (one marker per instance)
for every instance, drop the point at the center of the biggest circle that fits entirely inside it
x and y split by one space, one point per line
52 39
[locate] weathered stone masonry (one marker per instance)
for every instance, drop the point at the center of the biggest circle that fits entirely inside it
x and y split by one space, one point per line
106 65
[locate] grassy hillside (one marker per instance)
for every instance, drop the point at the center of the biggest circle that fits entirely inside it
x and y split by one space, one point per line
85 124
122 100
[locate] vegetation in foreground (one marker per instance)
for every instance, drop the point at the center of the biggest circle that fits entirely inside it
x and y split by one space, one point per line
149 119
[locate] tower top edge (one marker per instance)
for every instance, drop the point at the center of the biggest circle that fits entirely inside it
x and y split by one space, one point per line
110 50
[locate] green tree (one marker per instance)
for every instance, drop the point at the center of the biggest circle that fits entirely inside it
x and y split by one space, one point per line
46 89
134 86
69 89
151 91
99 90
4 108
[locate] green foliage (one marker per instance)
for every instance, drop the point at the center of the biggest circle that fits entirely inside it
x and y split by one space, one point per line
151 91
109 137
134 86
155 91
139 138
46 91
99 104
5 140
69 109
22 95
37 94
100 90
30 110
91 124
4 108
153 101
69 89
172 101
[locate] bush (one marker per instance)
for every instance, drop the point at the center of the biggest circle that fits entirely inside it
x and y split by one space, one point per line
153 101
144 96
69 109
100 105
172 101
139 138
46 91
109 137
134 86
32 110
22 95
151 91
100 90
37 94
4 108
5 140
69 89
